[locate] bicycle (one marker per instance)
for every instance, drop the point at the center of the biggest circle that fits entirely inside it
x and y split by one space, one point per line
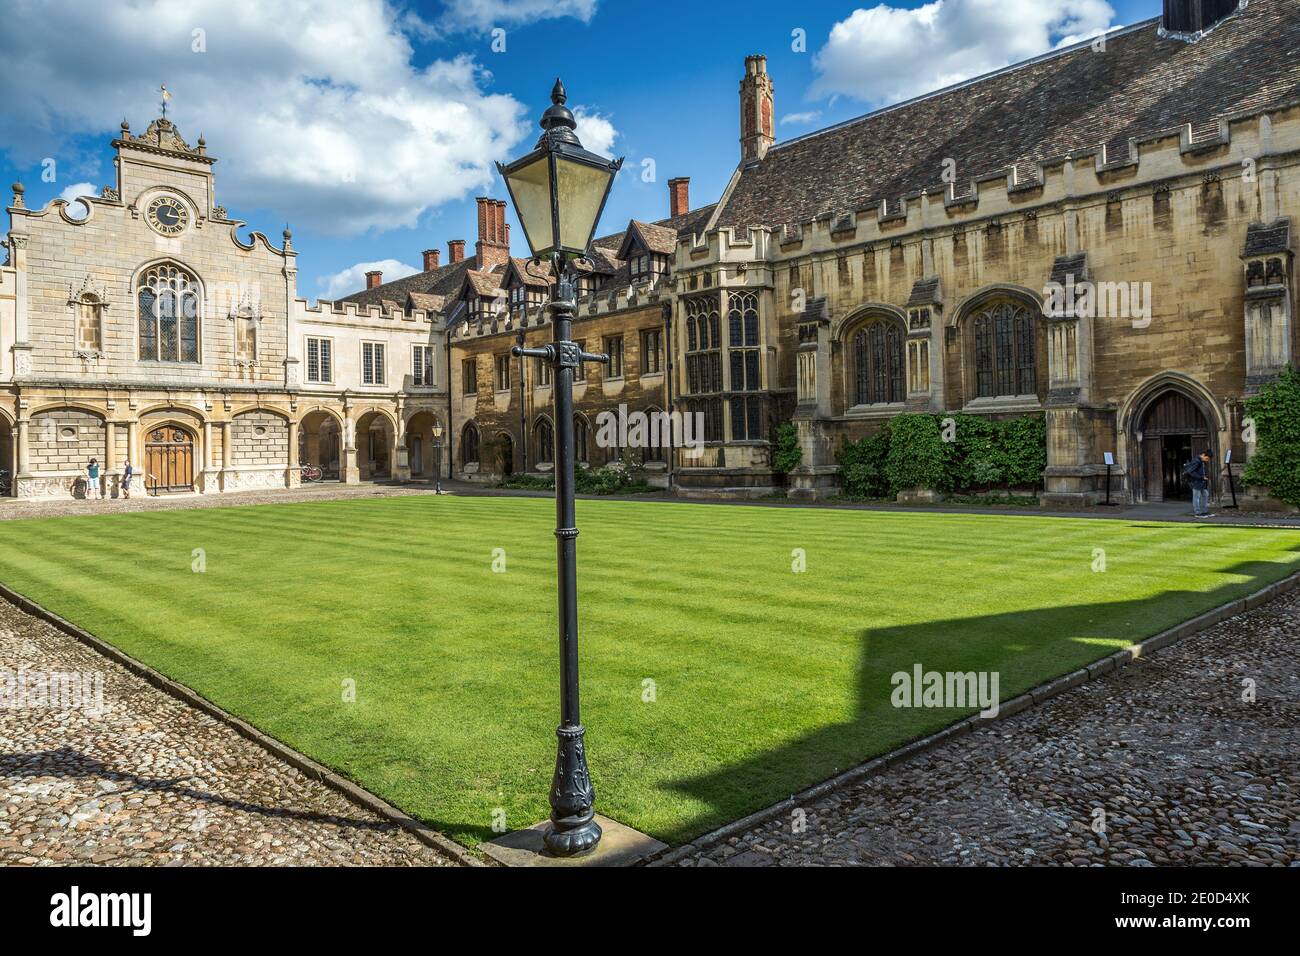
311 473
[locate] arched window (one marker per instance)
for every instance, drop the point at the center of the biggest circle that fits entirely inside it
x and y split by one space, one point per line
469 445
246 322
1005 352
544 436
657 436
878 364
168 299
581 433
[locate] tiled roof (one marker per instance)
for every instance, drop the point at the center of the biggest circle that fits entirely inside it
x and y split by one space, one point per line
445 280
1140 85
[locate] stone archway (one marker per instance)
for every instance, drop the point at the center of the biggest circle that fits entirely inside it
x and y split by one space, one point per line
375 447
320 443
423 454
1170 426
7 453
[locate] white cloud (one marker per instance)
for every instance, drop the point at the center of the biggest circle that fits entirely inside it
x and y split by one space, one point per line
315 111
72 196
886 54
483 15
596 132
353 278
801 118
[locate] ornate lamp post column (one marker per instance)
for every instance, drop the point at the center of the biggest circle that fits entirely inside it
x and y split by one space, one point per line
559 190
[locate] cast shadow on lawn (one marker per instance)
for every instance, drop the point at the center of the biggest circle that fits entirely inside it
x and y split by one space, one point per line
1031 647
69 763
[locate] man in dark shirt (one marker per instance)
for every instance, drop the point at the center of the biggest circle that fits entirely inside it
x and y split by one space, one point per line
1198 476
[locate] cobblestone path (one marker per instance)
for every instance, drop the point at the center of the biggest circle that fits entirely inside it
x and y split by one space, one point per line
1185 771
150 781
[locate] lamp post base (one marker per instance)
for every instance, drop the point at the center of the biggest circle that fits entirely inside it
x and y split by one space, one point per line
573 826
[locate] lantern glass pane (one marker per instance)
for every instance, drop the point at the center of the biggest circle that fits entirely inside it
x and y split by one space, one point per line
530 186
582 190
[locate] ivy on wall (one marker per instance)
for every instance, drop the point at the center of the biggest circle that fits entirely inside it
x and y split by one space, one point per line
1276 415
949 453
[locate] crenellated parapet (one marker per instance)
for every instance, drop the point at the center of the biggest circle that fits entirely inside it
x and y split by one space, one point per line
1189 155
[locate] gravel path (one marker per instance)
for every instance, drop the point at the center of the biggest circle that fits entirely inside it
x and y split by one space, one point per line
1185 772
146 780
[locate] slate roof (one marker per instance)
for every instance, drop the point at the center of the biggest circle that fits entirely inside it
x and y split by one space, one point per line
1262 240
1041 109
924 292
448 281
1066 266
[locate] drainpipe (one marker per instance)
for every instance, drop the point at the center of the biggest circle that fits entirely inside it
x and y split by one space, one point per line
523 396
668 389
451 431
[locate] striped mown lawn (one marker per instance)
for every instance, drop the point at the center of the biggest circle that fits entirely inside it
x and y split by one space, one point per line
764 680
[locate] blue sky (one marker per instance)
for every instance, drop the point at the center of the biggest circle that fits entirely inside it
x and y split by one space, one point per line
370 126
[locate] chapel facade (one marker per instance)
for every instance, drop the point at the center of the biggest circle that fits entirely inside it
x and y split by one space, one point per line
147 329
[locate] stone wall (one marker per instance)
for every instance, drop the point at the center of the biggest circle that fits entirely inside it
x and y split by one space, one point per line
259 438
64 440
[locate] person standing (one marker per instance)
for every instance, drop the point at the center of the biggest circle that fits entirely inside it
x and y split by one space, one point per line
127 474
92 480
1198 476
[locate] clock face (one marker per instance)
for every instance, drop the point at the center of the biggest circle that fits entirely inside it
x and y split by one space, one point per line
168 215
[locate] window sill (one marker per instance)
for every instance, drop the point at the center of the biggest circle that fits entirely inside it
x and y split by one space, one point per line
876 410
1005 403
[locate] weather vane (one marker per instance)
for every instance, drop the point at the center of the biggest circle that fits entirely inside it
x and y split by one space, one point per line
165 97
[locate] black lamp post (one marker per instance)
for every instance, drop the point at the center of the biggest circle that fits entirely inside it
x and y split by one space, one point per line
437 466
559 190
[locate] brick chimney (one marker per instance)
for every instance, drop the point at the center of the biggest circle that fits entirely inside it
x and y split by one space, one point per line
756 107
493 246
431 257
679 196
455 251
1188 19
373 279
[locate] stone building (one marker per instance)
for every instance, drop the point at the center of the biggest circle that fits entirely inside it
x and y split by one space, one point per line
147 328
906 260
501 413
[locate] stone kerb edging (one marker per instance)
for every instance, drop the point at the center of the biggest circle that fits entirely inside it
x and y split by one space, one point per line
281 751
1010 708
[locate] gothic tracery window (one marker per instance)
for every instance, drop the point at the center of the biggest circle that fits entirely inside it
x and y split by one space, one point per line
878 364
1005 356
168 303
469 445
704 362
544 435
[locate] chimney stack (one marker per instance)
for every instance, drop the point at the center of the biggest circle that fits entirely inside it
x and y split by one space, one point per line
493 246
455 251
1189 19
373 279
757 103
431 257
679 196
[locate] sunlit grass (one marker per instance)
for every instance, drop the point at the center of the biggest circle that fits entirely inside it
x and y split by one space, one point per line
764 680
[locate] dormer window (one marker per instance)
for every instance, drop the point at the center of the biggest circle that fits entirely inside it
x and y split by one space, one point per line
524 297
647 266
585 286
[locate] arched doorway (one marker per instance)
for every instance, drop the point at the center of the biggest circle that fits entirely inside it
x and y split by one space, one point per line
425 454
505 455
320 443
375 446
1172 427
169 459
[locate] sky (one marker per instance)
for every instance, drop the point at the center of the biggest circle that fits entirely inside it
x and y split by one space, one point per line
370 126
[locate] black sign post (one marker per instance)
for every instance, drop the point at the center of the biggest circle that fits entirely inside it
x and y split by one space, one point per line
1232 485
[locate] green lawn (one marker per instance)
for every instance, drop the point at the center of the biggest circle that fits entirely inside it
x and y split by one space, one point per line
766 680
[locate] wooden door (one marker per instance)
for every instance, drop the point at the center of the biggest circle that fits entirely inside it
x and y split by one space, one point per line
1153 453
169 460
